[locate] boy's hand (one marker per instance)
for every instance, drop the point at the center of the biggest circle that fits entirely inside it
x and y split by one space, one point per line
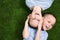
36 9
25 31
27 19
40 24
39 30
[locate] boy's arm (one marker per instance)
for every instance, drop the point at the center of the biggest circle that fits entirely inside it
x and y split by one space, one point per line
39 27
38 35
39 31
25 30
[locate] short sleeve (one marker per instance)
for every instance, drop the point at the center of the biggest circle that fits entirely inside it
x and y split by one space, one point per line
44 35
44 4
29 38
32 34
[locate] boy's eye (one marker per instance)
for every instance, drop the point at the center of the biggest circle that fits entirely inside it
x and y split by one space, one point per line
49 22
36 13
38 20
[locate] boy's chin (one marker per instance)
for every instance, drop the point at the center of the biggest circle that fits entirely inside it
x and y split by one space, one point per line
34 26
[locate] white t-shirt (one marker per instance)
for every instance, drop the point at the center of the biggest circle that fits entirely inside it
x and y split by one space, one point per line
44 4
32 32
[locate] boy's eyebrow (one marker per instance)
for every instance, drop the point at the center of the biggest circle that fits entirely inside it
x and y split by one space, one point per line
50 22
37 13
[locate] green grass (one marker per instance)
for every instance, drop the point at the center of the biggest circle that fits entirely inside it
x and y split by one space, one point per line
13 14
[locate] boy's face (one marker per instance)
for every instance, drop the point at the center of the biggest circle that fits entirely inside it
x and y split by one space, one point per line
34 19
48 22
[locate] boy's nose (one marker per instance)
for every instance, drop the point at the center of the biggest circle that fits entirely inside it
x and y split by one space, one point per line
37 16
33 16
49 25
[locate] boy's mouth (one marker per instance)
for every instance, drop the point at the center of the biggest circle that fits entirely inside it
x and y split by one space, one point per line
46 26
36 19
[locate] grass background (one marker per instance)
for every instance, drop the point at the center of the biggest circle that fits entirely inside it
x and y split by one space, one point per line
13 14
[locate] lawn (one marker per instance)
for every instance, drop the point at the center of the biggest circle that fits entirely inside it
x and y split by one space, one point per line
13 14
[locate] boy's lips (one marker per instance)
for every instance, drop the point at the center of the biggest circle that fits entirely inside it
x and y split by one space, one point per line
47 26
35 20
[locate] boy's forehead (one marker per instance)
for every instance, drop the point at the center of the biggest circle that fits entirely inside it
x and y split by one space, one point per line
51 18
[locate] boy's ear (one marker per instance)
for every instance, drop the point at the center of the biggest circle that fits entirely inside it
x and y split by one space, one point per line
29 16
